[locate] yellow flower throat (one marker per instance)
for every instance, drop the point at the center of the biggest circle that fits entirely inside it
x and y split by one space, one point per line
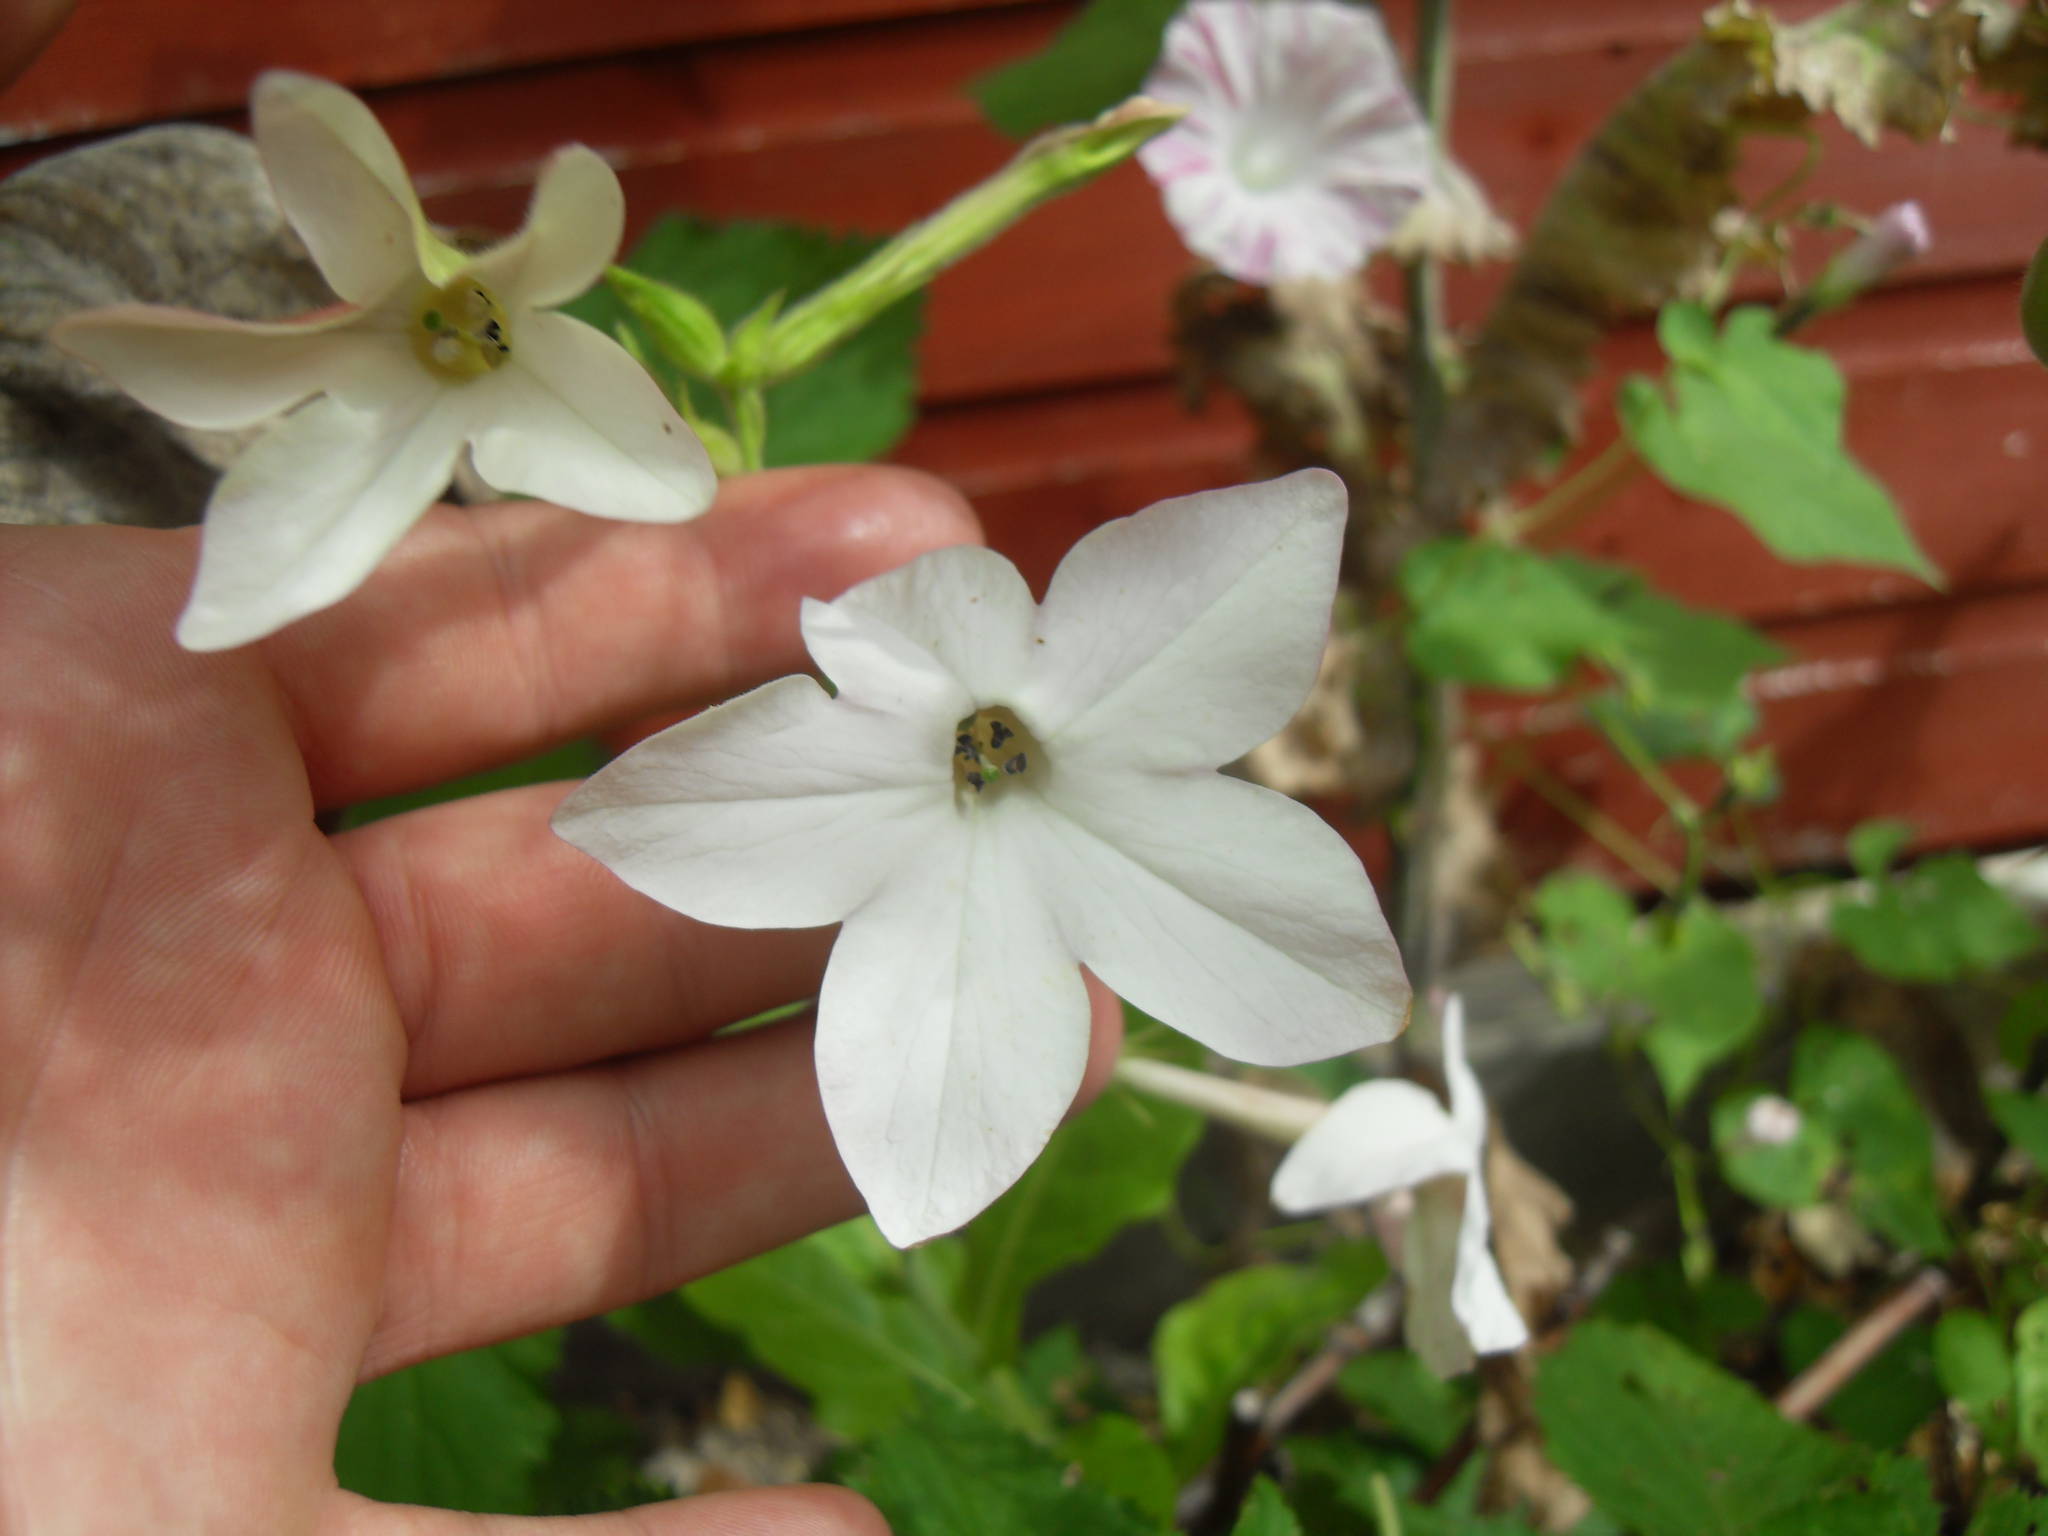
459 331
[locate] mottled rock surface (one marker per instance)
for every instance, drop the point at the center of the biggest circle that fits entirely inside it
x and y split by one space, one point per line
177 215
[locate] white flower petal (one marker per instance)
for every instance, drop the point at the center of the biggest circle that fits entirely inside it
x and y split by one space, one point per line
1430 1259
952 1031
951 631
1231 913
339 181
310 507
213 373
784 808
1376 1138
1186 635
1468 1103
573 228
203 371
574 420
1479 1296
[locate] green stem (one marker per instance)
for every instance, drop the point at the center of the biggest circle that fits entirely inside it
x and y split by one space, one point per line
1590 819
1386 1514
1425 940
750 424
1567 503
1696 1246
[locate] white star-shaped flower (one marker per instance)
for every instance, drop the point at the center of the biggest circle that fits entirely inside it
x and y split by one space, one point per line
1390 1135
1302 151
434 350
1002 791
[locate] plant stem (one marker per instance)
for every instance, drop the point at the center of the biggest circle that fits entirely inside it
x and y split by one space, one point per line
1425 941
1386 1513
1567 504
1589 818
1814 1386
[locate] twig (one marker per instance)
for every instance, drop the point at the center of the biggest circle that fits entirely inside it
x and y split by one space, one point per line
1374 1323
1814 1386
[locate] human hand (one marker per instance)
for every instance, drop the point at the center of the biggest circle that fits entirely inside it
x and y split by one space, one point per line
280 1111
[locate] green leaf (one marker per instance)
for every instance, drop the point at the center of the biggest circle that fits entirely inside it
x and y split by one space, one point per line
1241 1329
1705 1318
1508 617
2011 1513
2024 1119
1588 929
829 1313
1874 846
1265 1512
1854 1088
2025 1021
1668 1445
950 1471
1098 58
1701 988
1972 1362
1112 1165
1500 616
855 404
1938 921
1888 1398
1396 1388
2030 1381
1784 1176
467 1431
593 1466
1115 1453
1755 425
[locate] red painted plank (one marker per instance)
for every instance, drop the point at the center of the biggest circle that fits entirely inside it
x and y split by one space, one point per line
868 128
1938 713
128 61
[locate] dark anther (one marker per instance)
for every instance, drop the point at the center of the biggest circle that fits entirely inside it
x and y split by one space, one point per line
1015 764
998 733
974 782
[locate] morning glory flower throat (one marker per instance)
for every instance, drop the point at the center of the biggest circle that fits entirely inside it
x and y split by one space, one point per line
1302 151
433 350
1002 791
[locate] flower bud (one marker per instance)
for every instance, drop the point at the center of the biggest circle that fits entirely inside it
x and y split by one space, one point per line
686 332
1895 237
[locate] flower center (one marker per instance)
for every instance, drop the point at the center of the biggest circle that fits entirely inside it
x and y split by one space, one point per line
1273 150
459 331
991 750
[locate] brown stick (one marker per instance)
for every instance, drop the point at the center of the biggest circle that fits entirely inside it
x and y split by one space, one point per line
1811 1389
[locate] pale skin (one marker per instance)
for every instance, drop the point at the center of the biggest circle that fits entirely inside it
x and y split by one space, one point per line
281 1111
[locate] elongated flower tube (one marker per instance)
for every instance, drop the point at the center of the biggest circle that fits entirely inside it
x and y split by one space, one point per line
1302 151
1002 791
1392 1135
433 350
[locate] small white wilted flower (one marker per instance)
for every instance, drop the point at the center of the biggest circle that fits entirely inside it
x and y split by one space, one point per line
434 350
1302 151
1771 1121
1002 791
1392 1135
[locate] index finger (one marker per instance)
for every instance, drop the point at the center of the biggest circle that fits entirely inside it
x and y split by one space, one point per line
494 632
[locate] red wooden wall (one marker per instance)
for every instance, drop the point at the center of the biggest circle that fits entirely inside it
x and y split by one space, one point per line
1045 364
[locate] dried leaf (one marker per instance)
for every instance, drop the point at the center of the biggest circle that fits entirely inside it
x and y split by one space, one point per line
1875 64
1453 222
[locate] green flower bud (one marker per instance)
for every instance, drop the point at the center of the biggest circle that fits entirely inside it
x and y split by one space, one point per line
686 332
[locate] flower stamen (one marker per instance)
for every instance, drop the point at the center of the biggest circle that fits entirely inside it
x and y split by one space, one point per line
459 331
991 747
